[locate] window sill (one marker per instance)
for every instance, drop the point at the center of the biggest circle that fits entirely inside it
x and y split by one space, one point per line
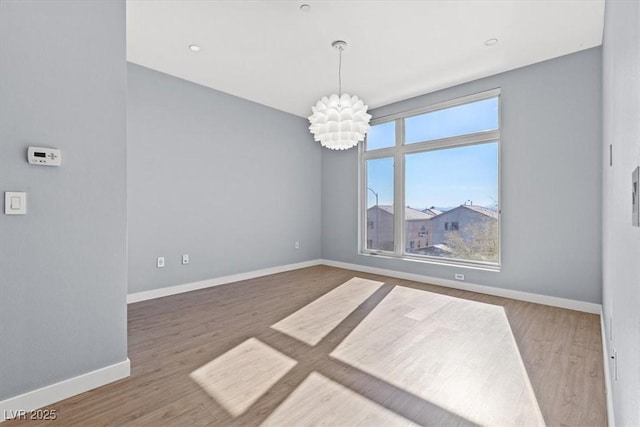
496 268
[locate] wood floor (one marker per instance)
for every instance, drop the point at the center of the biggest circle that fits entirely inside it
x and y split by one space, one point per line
212 357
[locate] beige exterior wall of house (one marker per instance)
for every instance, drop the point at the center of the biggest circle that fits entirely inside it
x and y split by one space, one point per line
423 229
379 229
457 220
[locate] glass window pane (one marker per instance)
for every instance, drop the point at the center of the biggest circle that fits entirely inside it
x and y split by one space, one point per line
381 136
379 230
452 198
462 119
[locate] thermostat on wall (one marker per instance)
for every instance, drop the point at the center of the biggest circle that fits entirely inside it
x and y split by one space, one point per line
44 156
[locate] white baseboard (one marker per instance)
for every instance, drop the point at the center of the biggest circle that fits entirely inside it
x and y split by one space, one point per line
62 390
587 307
193 286
607 373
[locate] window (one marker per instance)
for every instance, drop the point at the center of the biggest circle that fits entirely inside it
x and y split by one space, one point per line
476 117
382 136
434 172
380 199
369 224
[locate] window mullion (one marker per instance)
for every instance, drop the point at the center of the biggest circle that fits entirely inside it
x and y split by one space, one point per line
398 179
456 141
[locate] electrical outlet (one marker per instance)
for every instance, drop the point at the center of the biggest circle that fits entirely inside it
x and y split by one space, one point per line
296 245
160 262
185 258
459 276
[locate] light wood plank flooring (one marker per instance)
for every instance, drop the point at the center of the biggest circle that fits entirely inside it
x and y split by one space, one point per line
186 356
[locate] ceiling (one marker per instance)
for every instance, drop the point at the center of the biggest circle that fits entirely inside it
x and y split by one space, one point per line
276 54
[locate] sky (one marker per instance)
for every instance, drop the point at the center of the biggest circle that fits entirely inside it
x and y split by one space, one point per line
444 177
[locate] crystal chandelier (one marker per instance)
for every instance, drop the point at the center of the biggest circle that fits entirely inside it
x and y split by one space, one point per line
339 121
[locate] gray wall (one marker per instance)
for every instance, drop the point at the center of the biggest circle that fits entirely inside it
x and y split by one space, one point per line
63 265
232 183
621 241
551 182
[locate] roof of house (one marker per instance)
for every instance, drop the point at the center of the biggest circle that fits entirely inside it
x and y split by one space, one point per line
409 213
432 210
479 209
415 214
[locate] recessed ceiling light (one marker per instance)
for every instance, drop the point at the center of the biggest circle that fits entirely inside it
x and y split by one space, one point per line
305 8
491 41
194 48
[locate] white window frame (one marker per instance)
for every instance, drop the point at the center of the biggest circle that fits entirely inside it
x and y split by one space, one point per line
398 153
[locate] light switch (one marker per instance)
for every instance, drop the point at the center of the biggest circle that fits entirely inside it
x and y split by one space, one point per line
15 203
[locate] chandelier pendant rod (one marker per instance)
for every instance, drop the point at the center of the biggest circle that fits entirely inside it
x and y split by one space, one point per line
340 72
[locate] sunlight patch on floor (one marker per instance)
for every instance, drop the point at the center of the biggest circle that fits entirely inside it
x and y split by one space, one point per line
315 320
318 401
458 354
240 376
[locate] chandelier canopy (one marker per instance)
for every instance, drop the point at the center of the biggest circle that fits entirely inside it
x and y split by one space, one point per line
339 121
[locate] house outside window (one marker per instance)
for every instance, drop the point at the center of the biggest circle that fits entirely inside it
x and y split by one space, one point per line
435 172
